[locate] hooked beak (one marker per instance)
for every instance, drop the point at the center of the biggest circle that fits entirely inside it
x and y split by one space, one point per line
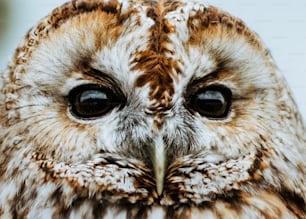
159 163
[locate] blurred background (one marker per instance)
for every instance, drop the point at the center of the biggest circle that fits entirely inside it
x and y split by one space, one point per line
280 23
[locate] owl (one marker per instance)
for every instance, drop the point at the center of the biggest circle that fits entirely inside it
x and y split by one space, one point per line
148 109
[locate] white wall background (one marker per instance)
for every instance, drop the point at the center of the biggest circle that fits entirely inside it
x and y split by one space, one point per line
280 23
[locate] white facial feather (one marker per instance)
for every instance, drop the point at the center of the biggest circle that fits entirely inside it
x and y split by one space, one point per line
148 109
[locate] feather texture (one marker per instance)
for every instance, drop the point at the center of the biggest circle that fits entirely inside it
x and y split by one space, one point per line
191 117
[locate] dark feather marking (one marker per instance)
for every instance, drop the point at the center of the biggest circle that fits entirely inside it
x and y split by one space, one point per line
158 70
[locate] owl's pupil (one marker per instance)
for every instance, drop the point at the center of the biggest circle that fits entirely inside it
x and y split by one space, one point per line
211 102
91 101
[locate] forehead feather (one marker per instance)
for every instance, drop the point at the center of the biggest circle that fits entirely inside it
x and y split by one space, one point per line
198 16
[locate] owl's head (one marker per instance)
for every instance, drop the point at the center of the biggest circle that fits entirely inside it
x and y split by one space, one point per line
158 101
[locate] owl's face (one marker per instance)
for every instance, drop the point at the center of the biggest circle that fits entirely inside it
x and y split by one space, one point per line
169 103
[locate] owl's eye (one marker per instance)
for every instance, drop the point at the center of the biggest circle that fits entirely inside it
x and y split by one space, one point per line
212 102
93 100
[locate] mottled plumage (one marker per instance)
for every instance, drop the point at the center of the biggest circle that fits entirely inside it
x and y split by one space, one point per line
148 109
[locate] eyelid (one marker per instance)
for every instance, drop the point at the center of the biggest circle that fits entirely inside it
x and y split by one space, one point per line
209 79
101 77
194 88
105 80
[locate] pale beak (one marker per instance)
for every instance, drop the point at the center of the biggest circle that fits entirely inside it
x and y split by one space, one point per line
159 163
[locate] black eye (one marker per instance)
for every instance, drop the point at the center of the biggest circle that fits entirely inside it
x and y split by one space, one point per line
212 102
93 100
